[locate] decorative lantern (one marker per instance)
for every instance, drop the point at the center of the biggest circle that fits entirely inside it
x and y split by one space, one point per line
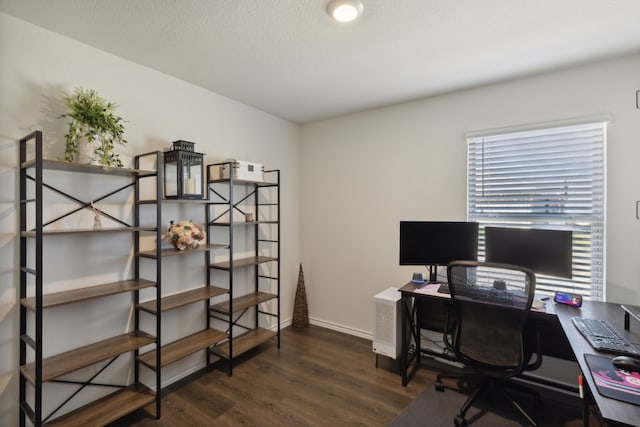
183 172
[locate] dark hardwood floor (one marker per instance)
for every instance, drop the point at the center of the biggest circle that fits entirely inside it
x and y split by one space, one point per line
318 377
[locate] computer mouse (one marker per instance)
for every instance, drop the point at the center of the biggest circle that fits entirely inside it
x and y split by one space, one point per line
626 363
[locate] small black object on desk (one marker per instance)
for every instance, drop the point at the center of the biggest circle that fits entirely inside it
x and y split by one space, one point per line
630 311
444 288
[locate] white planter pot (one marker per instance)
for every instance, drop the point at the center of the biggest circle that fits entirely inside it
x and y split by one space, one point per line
86 152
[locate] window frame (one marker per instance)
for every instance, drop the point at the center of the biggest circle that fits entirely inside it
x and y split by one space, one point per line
589 277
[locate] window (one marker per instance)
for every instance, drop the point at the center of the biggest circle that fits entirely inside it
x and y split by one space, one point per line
550 178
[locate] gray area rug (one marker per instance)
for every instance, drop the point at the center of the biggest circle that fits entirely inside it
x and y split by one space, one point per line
434 408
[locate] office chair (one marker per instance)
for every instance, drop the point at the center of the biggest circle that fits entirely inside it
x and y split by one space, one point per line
490 305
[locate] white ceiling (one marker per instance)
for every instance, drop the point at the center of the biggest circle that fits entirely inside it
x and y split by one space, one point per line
287 57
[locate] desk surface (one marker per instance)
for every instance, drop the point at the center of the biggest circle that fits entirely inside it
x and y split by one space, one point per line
611 409
431 290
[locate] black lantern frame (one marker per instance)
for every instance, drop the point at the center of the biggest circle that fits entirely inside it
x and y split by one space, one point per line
183 172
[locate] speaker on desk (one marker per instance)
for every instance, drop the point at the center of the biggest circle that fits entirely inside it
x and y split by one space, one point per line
387 327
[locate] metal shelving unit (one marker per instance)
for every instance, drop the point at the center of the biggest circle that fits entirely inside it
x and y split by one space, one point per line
263 200
35 369
203 339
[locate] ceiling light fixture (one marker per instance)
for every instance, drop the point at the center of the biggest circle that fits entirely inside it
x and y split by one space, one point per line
345 10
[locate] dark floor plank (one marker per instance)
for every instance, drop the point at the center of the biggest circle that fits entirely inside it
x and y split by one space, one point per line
318 377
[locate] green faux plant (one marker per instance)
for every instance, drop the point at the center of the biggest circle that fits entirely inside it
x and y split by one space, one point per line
94 119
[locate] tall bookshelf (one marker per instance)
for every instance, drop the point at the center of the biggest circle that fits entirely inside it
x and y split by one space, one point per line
251 311
178 349
39 228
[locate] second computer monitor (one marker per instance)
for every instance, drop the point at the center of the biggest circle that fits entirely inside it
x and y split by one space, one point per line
547 252
434 243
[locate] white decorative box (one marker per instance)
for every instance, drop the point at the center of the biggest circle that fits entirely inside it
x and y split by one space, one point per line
246 171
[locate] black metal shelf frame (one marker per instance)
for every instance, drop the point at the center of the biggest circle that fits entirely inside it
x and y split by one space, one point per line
221 193
31 172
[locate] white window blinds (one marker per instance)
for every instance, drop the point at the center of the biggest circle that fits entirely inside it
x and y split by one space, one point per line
550 178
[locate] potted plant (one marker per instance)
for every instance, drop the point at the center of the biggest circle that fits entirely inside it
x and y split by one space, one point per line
93 127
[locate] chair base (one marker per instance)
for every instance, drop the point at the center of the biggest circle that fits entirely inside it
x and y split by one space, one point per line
488 384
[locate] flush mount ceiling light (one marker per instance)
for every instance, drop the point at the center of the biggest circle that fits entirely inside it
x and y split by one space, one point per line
345 10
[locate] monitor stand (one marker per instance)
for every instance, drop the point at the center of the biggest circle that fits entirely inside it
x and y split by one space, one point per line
433 274
433 279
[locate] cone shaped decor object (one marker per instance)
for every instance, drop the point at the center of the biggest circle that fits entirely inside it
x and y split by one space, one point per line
300 312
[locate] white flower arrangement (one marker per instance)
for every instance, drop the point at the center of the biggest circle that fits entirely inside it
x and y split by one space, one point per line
185 235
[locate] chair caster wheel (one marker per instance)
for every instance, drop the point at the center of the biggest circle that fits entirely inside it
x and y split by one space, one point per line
439 386
459 421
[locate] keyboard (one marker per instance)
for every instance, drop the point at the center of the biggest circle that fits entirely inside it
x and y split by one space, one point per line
603 337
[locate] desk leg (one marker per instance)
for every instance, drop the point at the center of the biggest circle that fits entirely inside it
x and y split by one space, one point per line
415 332
626 320
404 345
409 331
585 407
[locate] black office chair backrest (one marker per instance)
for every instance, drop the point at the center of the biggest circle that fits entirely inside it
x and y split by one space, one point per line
491 302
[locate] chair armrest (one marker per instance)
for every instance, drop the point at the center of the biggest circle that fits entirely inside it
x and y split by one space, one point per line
531 366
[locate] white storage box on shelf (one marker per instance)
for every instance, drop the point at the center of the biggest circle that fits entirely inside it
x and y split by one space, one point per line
246 171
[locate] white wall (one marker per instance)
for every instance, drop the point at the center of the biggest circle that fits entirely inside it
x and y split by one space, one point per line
357 175
363 173
37 65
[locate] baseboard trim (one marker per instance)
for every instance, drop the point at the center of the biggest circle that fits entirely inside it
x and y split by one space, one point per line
341 328
181 375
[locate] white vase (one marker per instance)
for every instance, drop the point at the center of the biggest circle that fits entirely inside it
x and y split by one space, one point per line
86 151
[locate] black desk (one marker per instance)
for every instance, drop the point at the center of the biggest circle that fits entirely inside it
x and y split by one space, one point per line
424 308
559 338
611 410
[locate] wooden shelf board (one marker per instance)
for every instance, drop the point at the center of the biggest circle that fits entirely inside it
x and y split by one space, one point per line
183 347
174 252
243 302
90 292
183 298
243 262
245 342
108 408
85 168
69 361
32 233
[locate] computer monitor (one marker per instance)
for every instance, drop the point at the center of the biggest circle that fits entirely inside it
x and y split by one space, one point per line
434 243
543 251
